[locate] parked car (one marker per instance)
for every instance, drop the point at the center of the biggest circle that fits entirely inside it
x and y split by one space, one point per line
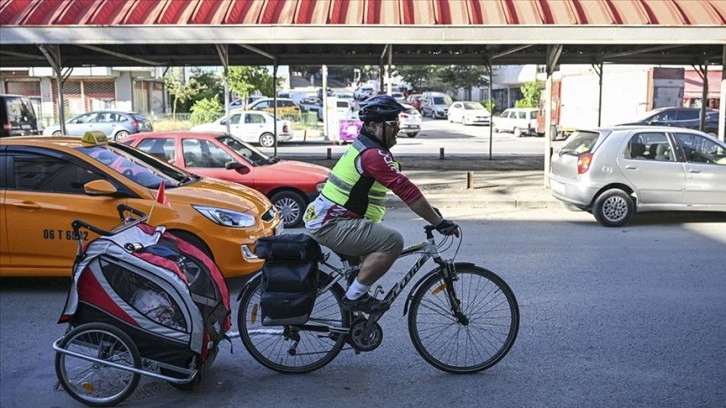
312 104
616 171
414 100
435 104
410 121
240 103
17 116
252 127
363 92
519 121
290 185
286 107
52 181
398 96
681 117
469 113
344 109
328 92
115 124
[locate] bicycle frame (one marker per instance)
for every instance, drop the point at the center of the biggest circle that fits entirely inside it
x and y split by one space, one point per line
429 251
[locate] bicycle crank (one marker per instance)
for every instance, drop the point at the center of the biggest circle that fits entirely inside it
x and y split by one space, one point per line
364 338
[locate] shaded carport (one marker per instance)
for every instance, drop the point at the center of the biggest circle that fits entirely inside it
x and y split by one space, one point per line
74 33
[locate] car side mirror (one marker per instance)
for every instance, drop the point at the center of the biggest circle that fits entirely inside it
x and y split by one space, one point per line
239 167
99 188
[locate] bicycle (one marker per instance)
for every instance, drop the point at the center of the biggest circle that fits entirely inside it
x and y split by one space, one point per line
462 319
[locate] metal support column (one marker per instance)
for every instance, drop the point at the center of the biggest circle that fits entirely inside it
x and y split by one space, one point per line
599 71
704 96
223 52
722 101
491 112
553 56
52 54
274 108
388 69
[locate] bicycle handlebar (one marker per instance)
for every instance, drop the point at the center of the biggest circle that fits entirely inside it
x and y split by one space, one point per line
122 210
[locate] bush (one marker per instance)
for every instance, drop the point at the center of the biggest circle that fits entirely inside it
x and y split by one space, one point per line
206 110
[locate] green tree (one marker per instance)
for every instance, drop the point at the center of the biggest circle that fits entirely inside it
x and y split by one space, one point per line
206 110
455 77
530 95
244 80
418 76
181 91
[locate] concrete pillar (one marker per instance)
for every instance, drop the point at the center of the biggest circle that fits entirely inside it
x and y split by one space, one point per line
124 91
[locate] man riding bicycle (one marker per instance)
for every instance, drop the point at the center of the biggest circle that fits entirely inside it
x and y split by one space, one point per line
346 216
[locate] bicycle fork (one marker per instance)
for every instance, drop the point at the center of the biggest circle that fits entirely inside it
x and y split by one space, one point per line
454 302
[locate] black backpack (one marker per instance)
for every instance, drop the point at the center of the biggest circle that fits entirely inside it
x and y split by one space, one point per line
289 278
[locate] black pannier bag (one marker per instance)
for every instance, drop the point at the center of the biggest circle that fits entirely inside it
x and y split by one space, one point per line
289 278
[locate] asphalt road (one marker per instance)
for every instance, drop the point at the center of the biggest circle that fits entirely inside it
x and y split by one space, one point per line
610 317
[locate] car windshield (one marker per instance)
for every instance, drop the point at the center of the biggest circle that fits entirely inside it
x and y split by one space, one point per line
580 143
473 106
243 149
443 100
137 166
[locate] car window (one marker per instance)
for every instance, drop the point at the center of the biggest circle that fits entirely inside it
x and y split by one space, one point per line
649 146
130 166
687 114
105 117
700 149
665 116
87 118
286 104
580 142
262 105
254 118
233 120
19 110
40 173
533 114
243 149
521 115
204 153
162 148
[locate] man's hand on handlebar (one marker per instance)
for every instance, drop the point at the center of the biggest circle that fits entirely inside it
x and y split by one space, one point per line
447 227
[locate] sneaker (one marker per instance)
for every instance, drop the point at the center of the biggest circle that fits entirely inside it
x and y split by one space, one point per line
366 304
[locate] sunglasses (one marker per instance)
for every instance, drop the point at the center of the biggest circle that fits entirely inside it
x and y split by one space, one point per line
393 123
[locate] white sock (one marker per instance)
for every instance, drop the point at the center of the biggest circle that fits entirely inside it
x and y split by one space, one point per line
356 290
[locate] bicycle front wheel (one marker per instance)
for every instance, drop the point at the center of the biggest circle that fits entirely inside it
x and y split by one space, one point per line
294 349
479 338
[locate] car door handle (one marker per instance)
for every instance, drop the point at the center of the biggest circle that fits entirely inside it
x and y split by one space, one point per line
27 205
694 171
631 167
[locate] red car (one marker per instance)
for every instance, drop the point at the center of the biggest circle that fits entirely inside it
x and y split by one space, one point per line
414 100
290 185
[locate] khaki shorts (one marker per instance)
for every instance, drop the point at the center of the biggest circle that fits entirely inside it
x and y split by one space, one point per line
358 237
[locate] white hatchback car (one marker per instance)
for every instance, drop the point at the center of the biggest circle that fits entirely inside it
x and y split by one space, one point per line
410 121
251 127
519 121
469 113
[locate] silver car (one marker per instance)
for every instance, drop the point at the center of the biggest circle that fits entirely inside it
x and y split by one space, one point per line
615 172
115 124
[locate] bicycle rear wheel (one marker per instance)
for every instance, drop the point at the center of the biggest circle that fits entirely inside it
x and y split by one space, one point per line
294 349
482 339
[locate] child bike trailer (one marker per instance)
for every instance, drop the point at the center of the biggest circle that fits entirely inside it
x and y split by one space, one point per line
142 302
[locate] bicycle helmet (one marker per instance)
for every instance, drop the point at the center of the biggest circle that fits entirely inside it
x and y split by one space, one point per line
380 108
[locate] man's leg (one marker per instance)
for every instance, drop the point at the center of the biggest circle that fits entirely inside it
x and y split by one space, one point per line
376 265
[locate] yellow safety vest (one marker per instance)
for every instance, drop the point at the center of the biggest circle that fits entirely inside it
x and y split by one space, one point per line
346 186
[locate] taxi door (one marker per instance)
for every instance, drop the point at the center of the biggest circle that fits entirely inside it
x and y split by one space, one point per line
4 252
45 195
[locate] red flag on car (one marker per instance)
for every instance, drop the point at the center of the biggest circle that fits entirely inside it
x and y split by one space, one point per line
161 196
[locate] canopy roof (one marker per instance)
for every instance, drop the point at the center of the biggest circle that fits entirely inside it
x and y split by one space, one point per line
341 32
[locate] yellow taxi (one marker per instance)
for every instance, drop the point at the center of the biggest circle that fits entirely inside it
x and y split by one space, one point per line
47 182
